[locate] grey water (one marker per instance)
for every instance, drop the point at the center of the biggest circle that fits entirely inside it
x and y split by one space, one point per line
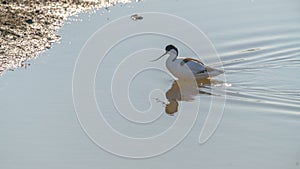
258 43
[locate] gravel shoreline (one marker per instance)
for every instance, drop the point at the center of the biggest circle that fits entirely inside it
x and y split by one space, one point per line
28 27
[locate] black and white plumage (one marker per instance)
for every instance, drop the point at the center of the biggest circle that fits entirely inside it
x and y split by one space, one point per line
187 68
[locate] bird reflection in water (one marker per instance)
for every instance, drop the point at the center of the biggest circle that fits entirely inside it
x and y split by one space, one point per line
185 91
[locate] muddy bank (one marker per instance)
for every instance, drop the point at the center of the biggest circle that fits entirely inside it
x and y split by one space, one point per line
28 27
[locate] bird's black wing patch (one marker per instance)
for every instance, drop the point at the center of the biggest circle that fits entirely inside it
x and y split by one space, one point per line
190 60
202 71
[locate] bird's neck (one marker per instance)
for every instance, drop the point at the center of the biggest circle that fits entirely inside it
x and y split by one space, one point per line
172 56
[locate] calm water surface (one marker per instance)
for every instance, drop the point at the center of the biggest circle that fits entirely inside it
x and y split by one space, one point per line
259 45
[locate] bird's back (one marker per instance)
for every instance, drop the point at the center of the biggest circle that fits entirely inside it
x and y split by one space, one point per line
194 65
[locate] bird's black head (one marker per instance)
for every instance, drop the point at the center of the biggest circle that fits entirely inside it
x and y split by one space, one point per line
170 47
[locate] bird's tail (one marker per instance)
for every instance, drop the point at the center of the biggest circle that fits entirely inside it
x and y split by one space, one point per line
213 72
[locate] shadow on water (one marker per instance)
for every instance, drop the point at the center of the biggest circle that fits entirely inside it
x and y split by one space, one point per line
186 91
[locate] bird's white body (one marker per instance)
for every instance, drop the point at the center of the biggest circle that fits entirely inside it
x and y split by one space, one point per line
187 68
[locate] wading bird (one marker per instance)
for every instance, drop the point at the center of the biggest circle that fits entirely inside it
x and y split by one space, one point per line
187 68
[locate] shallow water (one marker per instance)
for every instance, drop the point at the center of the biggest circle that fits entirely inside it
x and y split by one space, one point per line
259 45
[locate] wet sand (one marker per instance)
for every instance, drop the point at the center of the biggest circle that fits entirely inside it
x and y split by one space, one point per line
29 27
